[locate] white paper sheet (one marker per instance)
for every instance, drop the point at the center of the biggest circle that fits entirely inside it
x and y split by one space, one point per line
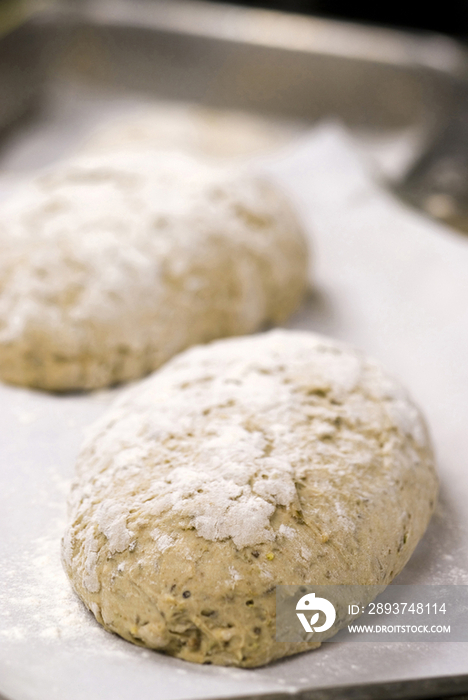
385 279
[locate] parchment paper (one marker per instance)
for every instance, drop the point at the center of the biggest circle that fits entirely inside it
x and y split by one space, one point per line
385 279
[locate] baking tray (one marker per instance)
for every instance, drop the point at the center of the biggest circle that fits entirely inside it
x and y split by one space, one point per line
60 73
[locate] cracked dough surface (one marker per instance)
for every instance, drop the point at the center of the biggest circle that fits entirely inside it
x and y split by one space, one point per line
111 264
281 458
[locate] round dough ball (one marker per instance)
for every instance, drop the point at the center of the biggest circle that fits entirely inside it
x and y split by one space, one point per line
282 458
110 265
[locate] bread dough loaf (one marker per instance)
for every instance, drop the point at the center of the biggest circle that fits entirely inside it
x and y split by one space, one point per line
194 128
281 458
110 265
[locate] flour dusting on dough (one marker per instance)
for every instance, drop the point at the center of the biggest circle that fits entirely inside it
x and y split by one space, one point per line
110 264
284 457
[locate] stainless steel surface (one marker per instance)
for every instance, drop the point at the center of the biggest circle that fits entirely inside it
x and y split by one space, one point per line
102 55
247 59
437 182
22 71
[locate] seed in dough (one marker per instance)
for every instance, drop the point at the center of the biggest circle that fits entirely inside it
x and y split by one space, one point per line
109 265
280 458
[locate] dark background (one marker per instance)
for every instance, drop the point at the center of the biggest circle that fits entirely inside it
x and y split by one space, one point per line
440 16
